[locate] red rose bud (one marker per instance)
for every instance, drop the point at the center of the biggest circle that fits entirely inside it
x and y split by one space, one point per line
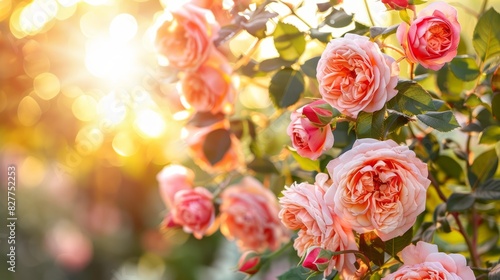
319 113
397 4
317 259
168 222
249 263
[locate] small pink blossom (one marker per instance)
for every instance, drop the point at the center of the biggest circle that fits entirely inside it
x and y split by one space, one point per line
249 263
397 4
173 178
193 209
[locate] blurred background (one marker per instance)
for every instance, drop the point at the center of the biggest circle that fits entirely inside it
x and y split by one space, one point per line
88 120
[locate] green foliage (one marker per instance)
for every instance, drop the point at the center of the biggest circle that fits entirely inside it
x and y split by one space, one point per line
411 99
464 68
383 31
442 121
370 125
338 18
216 144
489 190
289 41
459 202
395 245
262 165
286 87
309 67
491 135
372 247
299 273
484 167
305 163
486 38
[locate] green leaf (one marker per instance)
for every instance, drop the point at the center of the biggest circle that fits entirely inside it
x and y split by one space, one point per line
449 166
495 106
483 167
458 202
256 25
403 14
286 87
309 67
411 99
216 144
464 68
395 245
373 247
489 190
359 29
289 41
370 125
338 18
427 148
442 121
299 273
491 135
486 36
324 37
271 64
394 122
425 232
306 164
382 31
450 86
262 165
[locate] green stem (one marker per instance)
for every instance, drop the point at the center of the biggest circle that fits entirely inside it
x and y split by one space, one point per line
473 253
280 250
435 184
483 7
369 13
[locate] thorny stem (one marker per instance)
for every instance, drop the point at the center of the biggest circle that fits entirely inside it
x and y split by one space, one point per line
435 184
472 249
412 68
369 13
483 7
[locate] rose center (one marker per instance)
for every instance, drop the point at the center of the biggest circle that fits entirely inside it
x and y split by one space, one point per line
438 38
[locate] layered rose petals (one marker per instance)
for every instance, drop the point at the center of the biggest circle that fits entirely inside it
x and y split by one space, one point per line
193 209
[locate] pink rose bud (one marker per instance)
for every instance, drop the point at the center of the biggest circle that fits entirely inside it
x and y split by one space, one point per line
317 259
319 113
249 263
168 222
397 4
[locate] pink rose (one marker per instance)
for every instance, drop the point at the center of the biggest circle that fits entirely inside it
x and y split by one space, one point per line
397 4
378 186
193 209
423 261
249 214
185 39
249 263
209 88
173 178
354 75
317 259
308 139
432 39
304 207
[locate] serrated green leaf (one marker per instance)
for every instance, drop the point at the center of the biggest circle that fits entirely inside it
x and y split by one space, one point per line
395 245
271 64
324 37
394 122
491 135
489 190
450 86
306 164
458 202
309 66
464 68
262 165
382 31
486 36
373 247
411 99
338 18
370 125
483 167
216 144
442 121
286 87
449 166
472 101
289 41
299 273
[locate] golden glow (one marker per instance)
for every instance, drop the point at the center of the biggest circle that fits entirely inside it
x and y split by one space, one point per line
84 108
28 111
112 109
89 138
149 123
37 14
46 85
123 144
123 28
5 6
36 170
68 3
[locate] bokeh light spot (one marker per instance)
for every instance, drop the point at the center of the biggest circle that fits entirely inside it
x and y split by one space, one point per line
34 168
84 108
123 144
112 109
123 28
46 85
150 123
90 138
37 14
28 111
110 60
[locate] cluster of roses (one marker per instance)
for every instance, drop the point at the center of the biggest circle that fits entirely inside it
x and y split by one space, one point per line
185 38
377 186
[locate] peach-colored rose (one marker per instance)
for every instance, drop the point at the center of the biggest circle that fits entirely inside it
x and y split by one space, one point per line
378 186
231 160
396 4
221 13
193 209
309 140
423 261
209 88
304 207
185 39
249 214
432 39
354 75
173 178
